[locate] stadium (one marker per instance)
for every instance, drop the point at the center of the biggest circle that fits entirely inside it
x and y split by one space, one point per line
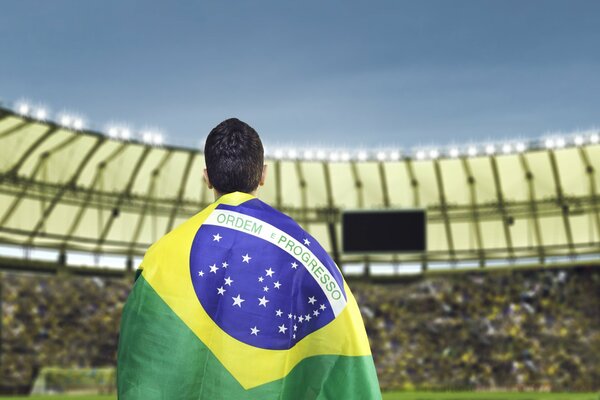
505 297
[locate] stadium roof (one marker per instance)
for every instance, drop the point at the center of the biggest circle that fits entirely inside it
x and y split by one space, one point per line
76 190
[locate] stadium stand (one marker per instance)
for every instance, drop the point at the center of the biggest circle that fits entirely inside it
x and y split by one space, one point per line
528 329
72 200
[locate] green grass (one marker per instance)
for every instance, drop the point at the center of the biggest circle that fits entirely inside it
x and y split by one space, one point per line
399 396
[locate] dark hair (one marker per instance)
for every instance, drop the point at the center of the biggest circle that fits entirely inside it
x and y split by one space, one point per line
234 157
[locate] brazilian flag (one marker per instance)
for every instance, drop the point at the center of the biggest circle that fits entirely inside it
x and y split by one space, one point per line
239 302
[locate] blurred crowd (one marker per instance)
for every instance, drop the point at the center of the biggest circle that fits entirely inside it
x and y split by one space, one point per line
526 329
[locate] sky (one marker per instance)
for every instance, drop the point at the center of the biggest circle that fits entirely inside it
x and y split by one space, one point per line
310 73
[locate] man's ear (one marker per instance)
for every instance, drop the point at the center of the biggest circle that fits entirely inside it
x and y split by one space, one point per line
263 176
206 180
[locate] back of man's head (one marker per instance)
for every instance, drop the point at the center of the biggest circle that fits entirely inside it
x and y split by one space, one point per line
234 157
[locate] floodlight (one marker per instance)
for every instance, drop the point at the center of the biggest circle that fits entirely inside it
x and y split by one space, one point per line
125 134
113 132
362 155
66 121
560 143
395 155
549 143
308 154
292 154
472 151
507 148
433 154
321 154
41 114
381 156
578 140
490 149
521 147
157 139
454 152
420 155
334 156
594 138
345 156
78 123
278 154
23 108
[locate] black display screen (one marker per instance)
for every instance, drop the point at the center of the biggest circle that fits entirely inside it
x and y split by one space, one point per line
385 231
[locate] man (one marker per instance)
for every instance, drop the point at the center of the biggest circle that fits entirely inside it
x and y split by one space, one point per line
239 302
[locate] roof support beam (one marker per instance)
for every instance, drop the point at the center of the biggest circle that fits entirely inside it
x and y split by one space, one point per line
502 206
357 184
414 183
330 214
444 208
384 185
14 129
100 167
278 189
474 210
562 202
149 194
181 191
15 168
126 193
303 194
71 184
533 206
591 172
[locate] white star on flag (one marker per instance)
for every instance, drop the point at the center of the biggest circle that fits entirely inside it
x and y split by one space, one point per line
260 279
201 273
301 318
278 312
221 290
282 328
307 317
294 265
263 301
254 331
289 316
316 313
295 328
217 238
246 258
312 300
214 268
277 285
237 301
294 336
265 289
228 281
224 264
307 242
323 307
269 272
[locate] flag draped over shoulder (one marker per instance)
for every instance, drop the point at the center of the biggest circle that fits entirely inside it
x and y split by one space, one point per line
239 302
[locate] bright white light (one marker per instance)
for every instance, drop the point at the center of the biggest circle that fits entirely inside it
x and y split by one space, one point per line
308 154
381 156
125 134
334 156
578 140
395 155
594 138
454 152
66 121
420 155
362 156
147 137
23 109
278 154
157 139
113 132
490 149
345 156
549 143
521 147
78 123
560 143
472 151
321 154
433 154
292 154
41 114
507 148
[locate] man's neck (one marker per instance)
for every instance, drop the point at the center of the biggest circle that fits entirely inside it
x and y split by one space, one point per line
219 194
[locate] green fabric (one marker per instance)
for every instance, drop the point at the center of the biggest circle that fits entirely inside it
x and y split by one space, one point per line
161 358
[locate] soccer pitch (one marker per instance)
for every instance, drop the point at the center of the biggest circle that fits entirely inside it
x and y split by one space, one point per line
399 396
